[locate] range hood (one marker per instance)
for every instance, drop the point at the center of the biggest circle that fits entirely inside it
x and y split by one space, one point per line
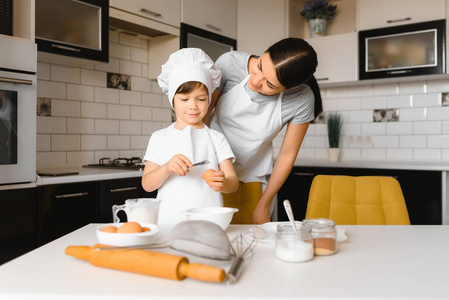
126 22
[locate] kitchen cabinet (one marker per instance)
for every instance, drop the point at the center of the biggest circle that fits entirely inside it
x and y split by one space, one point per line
85 40
386 13
23 19
217 16
343 52
115 192
253 34
422 191
18 222
167 12
64 208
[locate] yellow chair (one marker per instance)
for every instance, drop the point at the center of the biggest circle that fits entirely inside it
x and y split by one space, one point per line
363 200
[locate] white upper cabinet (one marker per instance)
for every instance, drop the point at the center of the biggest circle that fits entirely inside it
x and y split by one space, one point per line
164 11
337 58
386 13
217 16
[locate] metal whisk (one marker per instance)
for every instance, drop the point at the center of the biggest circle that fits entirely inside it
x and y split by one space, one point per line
242 249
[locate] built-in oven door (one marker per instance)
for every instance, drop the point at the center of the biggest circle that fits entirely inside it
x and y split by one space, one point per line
17 127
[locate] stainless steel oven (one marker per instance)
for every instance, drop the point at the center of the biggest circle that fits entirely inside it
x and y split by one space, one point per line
17 111
17 127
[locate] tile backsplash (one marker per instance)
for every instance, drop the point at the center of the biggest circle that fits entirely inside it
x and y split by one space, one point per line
406 121
110 110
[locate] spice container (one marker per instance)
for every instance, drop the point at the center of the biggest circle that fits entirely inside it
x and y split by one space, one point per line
324 235
290 247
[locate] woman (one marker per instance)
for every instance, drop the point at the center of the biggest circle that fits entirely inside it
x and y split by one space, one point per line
257 97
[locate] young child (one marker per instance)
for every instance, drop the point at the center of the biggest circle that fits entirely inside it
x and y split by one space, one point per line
188 78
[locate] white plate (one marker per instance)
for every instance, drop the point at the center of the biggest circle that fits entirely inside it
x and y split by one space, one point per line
127 239
341 234
270 228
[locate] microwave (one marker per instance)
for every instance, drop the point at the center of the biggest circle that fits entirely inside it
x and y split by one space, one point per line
77 28
212 43
407 50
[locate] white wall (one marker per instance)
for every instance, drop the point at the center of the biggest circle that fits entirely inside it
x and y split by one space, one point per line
88 120
420 134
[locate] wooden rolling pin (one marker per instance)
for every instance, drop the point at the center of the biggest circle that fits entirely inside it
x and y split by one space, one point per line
147 263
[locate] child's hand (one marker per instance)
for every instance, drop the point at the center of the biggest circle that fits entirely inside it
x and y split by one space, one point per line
215 181
179 164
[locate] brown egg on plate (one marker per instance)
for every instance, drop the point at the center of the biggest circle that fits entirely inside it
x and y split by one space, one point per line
130 227
110 228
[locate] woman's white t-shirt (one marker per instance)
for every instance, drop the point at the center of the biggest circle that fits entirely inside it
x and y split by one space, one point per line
297 105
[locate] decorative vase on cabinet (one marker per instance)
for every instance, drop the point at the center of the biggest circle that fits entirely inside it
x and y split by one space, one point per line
317 27
317 13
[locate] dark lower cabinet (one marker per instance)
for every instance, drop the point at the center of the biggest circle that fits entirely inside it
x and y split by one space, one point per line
32 217
18 222
64 208
422 191
115 192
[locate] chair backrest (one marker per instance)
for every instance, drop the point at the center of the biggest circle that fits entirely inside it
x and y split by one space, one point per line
363 200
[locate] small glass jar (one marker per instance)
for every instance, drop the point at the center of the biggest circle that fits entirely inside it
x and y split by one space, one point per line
324 236
290 247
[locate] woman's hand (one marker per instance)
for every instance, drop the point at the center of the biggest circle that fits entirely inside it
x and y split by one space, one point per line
179 164
260 215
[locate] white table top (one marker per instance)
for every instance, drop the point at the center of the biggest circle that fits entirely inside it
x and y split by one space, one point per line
375 261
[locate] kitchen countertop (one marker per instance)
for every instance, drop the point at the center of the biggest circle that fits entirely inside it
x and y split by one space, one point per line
376 164
376 262
95 174
86 174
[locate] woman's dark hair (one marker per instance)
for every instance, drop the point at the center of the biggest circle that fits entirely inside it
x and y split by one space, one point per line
190 86
295 62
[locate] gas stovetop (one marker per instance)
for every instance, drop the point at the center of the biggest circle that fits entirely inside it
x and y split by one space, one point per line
133 163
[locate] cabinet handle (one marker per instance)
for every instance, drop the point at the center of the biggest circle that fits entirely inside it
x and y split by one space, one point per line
399 20
71 195
131 188
302 174
213 27
151 13
15 81
66 48
322 79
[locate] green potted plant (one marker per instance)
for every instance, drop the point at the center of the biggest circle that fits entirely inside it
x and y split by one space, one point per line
317 13
334 123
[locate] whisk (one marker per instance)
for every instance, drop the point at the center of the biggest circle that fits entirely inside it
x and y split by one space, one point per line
242 249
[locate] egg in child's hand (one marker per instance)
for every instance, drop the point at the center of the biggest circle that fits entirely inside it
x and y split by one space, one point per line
130 227
207 175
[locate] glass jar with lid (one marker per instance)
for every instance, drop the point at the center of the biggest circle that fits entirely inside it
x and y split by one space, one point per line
324 235
290 247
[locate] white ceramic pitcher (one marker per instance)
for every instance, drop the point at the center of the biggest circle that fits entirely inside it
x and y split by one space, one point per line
141 210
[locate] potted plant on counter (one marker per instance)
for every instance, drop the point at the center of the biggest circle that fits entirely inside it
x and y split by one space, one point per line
334 122
317 13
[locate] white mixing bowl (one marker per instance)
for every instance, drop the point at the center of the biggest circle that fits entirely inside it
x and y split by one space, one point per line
221 216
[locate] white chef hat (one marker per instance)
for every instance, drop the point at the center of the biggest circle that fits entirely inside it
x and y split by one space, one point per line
188 64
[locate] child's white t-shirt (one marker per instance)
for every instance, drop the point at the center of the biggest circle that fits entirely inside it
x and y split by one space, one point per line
179 193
